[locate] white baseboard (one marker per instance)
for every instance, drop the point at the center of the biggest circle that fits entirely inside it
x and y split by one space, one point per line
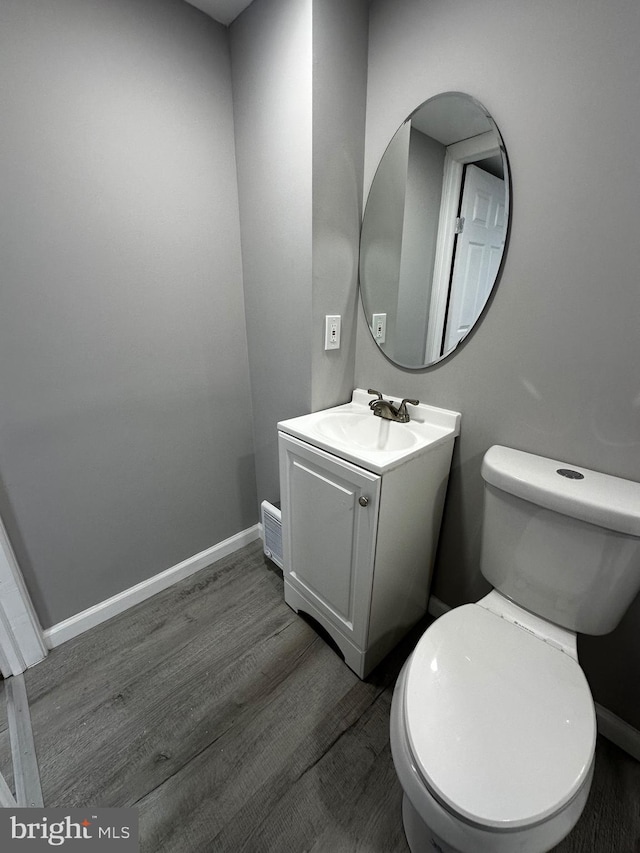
618 731
611 726
81 622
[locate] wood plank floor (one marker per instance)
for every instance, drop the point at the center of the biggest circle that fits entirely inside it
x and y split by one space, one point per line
6 762
231 726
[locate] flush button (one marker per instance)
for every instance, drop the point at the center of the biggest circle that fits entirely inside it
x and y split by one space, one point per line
570 474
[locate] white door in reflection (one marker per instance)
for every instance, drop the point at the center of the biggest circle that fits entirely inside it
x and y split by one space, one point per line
478 251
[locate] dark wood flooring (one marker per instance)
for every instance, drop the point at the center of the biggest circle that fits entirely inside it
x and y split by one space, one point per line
232 726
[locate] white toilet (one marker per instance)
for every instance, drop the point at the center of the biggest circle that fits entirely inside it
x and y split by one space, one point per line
493 726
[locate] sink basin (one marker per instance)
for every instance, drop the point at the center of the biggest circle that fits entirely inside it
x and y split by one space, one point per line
365 431
354 433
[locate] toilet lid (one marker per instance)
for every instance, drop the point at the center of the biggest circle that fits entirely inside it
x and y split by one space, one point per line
501 725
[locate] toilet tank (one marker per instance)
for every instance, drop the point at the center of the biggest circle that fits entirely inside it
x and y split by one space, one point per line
560 541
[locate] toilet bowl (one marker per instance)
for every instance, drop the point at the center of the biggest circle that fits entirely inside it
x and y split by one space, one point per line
493 736
493 726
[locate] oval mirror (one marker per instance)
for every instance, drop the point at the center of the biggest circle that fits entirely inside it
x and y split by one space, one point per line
434 230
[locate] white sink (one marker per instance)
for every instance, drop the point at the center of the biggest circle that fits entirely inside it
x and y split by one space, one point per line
365 431
354 433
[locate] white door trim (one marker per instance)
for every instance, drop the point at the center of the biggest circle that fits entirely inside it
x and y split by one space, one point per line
456 157
21 638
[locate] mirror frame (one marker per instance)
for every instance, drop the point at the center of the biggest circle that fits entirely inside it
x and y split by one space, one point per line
454 169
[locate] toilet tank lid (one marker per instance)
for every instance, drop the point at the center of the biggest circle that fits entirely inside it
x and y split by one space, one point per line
602 499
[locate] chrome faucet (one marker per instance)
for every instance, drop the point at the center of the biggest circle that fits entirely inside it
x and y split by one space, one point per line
386 409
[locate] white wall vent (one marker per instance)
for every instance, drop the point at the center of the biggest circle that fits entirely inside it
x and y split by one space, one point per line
272 532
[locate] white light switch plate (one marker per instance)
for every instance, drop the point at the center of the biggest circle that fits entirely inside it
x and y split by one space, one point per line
332 331
379 327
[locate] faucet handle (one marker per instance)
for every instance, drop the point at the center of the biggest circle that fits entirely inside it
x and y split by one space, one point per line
378 396
403 414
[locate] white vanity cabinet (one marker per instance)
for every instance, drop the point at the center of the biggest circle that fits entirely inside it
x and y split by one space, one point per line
329 528
359 544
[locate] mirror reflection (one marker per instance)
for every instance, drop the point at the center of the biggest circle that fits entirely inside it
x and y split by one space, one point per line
434 230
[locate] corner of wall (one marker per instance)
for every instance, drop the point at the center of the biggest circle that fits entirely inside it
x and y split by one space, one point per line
340 45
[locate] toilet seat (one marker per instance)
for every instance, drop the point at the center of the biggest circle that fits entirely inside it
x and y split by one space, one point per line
500 725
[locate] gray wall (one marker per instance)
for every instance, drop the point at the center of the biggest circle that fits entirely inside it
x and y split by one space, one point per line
553 367
425 171
299 79
125 438
272 91
339 100
381 243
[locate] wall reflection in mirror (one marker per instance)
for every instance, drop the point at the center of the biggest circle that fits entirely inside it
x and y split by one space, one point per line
434 230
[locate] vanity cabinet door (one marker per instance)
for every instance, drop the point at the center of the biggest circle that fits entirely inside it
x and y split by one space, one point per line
330 519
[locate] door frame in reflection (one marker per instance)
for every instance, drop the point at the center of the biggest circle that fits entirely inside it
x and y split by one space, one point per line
457 156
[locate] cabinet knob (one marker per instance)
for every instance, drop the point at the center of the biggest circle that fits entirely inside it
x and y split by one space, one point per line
363 501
